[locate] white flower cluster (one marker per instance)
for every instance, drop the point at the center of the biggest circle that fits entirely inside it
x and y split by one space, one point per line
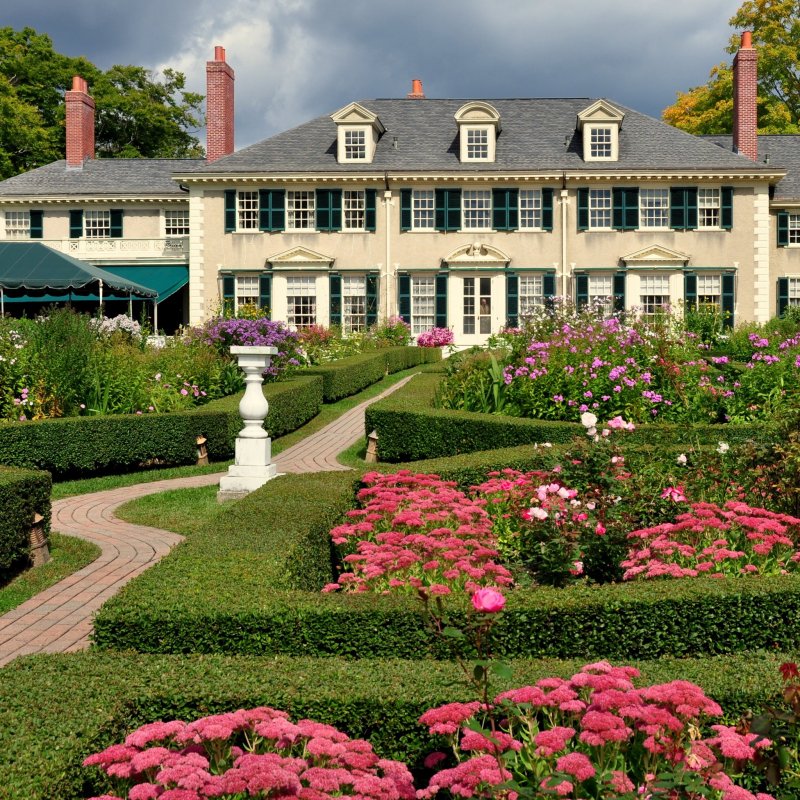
108 325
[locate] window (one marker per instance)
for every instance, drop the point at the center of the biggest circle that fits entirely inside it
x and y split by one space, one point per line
600 142
300 210
97 224
709 291
176 222
530 208
653 208
353 207
654 294
477 144
600 208
18 224
423 205
476 209
477 307
246 291
355 145
708 208
531 294
794 291
247 211
423 304
354 304
301 302
601 293
794 228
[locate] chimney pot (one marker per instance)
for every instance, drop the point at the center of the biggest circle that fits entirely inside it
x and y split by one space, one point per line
747 40
219 53
416 92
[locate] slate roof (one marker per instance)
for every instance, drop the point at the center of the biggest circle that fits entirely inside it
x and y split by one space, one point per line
533 136
113 177
782 152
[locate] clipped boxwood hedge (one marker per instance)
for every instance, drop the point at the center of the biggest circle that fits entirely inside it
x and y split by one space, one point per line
84 445
350 375
410 428
56 710
23 493
249 584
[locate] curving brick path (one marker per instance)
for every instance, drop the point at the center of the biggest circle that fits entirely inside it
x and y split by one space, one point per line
59 620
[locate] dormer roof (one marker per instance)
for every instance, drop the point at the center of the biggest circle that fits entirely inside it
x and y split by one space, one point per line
356 114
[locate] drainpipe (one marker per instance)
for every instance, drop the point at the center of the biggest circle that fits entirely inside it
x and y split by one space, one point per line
388 203
564 216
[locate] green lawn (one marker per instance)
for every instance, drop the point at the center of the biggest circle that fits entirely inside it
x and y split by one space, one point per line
68 555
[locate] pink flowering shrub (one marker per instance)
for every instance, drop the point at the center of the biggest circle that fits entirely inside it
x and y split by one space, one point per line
735 539
592 736
258 753
435 337
417 533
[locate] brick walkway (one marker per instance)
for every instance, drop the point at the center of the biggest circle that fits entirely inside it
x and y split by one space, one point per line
59 619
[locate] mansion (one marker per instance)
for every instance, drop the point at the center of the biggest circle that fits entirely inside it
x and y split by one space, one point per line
450 213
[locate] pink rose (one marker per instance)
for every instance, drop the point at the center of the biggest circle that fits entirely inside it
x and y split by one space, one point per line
488 601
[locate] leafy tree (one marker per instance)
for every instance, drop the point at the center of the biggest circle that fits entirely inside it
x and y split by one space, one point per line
775 25
138 114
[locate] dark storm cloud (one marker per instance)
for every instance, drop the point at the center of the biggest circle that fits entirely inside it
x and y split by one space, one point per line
296 59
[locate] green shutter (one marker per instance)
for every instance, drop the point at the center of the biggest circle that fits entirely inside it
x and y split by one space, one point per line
625 212
728 300
683 208
512 300
372 299
369 210
228 295
75 224
116 223
619 291
230 210
549 289
783 295
726 209
336 300
547 209
265 294
329 209
583 209
405 209
783 229
264 209
404 297
689 292
440 211
500 209
278 205
581 291
441 300
37 224
453 210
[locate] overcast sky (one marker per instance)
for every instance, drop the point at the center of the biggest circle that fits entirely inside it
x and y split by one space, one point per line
297 59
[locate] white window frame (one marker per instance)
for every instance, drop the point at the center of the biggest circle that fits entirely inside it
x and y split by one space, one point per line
301 301
601 141
654 293
793 291
477 144
354 303
423 210
530 291
709 291
354 210
297 212
477 306
423 303
176 222
654 208
247 210
355 144
601 206
600 290
709 208
476 209
18 224
530 209
246 291
97 223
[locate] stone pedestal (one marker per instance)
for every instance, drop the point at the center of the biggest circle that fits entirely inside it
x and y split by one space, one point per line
252 467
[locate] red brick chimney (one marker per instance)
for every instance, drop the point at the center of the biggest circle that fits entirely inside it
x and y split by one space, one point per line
80 123
416 92
219 106
745 91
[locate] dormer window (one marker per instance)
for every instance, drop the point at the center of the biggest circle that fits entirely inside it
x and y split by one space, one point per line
478 125
358 131
600 124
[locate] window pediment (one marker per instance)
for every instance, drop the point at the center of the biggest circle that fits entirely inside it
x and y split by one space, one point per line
357 132
300 258
655 254
476 254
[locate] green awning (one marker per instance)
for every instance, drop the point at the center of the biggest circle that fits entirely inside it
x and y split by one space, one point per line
165 280
39 271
